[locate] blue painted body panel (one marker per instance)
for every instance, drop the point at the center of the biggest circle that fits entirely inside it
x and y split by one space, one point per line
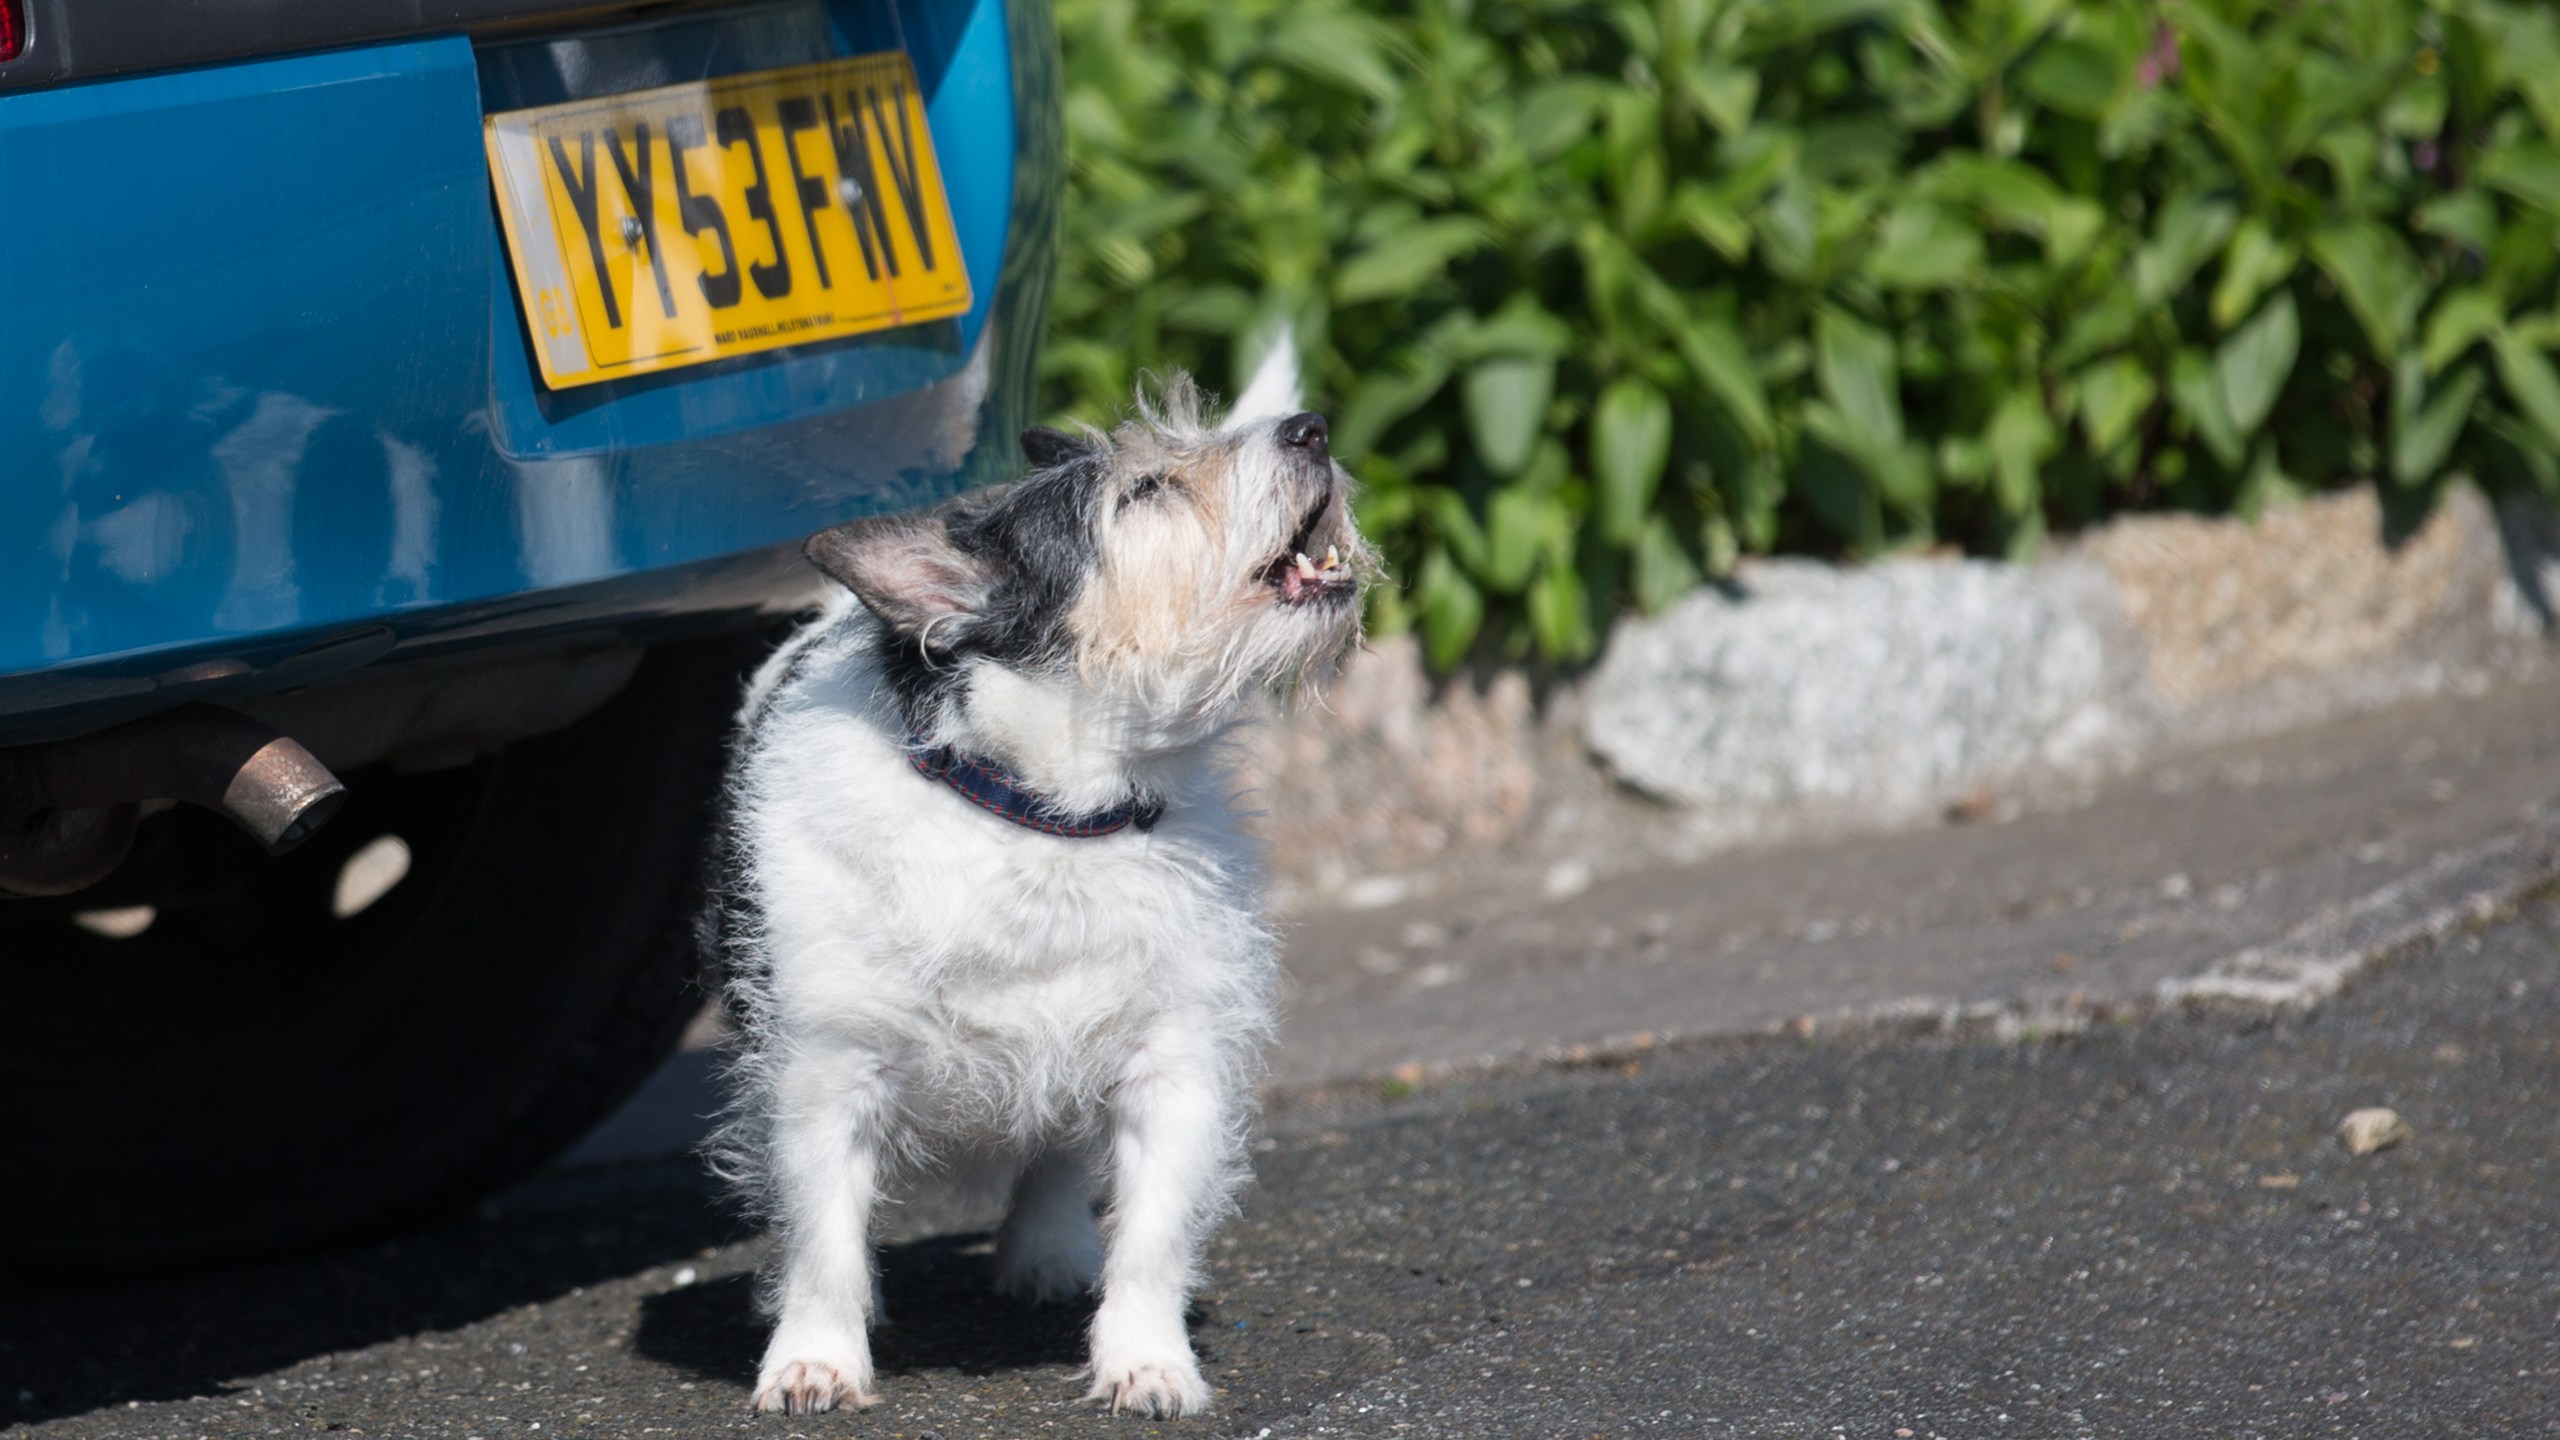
264 389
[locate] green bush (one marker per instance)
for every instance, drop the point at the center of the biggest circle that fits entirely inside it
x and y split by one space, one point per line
1602 295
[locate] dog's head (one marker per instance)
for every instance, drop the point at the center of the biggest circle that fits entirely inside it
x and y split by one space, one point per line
1171 567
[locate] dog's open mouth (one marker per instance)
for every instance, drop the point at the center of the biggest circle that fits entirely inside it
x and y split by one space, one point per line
1302 578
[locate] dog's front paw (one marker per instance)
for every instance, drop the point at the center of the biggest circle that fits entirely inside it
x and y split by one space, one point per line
1163 1389
805 1387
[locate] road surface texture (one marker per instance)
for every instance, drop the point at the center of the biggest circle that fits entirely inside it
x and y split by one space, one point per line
2139 1229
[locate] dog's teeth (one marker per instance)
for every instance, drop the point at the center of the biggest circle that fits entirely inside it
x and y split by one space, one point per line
1306 566
1333 557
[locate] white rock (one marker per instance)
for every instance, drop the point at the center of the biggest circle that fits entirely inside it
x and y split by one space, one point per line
2374 1128
1567 878
1895 685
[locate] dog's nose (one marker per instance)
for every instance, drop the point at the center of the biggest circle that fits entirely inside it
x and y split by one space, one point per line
1305 431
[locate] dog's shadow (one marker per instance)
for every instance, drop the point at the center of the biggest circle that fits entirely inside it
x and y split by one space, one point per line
944 1314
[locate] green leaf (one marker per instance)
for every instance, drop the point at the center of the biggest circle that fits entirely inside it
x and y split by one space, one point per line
1922 247
2256 261
2529 172
2196 389
1558 113
2337 96
2530 382
1751 163
2522 453
2523 43
2541 331
1725 94
1840 492
1716 355
1383 399
1784 224
2377 277
1452 609
1456 527
2461 318
2100 327
2136 121
1855 364
1720 224
1345 49
1630 447
1897 473
1558 616
2113 395
1516 523
2190 230
1213 309
1521 327
2350 153
2422 435
2013 195
1965 459
1405 260
2253 363
2019 438
2071 224
2072 76
1506 399
1754 489
1663 571
2465 217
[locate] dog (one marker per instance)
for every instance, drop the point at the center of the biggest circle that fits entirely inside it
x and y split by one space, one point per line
982 897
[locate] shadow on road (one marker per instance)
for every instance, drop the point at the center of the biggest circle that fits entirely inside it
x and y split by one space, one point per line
943 1315
80 1344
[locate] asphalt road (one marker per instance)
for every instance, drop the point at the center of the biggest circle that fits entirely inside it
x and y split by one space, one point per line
2144 1229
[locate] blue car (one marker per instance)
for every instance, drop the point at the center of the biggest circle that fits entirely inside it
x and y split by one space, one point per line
409 417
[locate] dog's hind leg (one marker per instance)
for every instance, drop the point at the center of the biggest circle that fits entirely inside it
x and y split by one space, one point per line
1048 1248
827 1147
1170 1173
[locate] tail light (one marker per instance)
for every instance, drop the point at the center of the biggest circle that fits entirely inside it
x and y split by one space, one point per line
13 29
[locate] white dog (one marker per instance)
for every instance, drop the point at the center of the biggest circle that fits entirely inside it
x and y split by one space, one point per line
983 899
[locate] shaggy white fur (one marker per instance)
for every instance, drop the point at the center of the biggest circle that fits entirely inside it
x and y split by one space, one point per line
922 985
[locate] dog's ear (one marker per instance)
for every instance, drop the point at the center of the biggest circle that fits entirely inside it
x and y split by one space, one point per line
1045 447
1274 390
905 568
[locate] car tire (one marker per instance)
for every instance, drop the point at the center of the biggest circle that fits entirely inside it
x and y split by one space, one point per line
254 1073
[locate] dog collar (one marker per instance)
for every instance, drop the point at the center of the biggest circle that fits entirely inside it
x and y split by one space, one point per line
994 791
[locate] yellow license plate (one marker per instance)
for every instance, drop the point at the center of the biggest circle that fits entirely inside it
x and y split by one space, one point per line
664 228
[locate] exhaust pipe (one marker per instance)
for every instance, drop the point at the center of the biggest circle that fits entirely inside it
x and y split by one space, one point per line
59 827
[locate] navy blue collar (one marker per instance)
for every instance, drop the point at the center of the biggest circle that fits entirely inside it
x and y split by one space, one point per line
992 790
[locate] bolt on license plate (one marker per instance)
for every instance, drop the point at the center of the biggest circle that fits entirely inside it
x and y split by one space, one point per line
668 227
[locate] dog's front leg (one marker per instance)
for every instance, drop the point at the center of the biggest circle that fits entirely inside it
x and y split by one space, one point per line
1170 1174
826 1169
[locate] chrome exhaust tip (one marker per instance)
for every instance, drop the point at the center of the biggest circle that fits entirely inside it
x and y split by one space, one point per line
280 794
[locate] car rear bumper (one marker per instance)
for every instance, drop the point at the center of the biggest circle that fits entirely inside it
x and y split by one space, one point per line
269 411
